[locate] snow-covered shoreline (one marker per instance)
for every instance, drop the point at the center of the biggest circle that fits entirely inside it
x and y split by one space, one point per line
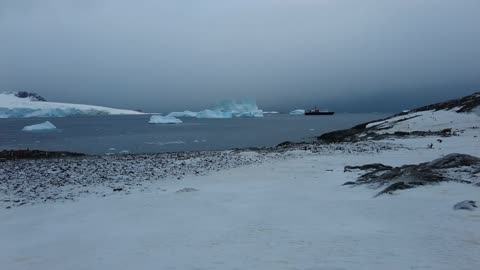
277 208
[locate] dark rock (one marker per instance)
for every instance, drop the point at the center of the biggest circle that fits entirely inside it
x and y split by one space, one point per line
117 189
32 96
349 183
393 187
417 175
35 154
374 166
285 144
465 205
183 190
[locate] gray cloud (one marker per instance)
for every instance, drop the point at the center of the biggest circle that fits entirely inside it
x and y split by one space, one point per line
173 55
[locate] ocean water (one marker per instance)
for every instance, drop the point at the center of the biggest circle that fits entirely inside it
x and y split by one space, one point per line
114 134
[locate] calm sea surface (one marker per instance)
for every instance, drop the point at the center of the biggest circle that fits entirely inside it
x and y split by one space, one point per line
113 134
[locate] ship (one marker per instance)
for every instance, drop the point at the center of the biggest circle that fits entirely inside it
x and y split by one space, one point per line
318 112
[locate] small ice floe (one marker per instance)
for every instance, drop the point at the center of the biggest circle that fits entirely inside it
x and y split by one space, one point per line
109 154
112 149
183 190
124 152
196 141
160 119
297 112
312 129
45 126
465 205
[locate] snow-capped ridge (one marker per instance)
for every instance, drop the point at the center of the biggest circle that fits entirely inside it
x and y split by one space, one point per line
25 105
443 119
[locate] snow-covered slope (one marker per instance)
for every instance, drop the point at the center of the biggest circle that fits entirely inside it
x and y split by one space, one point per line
12 106
446 118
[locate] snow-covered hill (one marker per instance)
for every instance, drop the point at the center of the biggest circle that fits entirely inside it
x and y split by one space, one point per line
19 105
445 119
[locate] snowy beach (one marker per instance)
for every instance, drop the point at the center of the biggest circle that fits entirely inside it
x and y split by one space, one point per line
284 207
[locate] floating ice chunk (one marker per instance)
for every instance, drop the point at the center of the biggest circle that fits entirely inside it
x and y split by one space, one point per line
160 119
124 152
183 114
272 112
297 112
40 127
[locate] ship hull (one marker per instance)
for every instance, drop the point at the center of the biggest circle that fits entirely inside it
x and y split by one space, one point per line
319 113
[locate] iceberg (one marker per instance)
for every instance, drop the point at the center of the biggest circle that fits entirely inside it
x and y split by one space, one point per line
45 126
160 119
214 114
297 112
183 114
25 105
225 109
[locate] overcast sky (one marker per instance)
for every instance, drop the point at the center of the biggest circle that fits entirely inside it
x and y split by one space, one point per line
165 55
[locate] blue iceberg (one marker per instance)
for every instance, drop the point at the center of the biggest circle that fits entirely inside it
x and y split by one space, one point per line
225 109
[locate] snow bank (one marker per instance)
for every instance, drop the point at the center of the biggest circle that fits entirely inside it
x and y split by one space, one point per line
12 106
297 112
160 119
40 127
426 121
225 109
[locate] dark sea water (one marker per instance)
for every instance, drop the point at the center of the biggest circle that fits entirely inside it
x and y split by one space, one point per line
113 134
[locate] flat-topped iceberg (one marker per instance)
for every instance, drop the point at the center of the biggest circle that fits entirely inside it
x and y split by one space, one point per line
40 127
18 105
183 114
297 112
225 109
160 119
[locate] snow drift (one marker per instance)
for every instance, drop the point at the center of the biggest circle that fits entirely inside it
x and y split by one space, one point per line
20 105
160 119
40 127
225 109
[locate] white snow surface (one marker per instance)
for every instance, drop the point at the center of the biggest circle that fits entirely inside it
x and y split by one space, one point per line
290 213
427 121
160 119
12 106
297 112
226 109
40 127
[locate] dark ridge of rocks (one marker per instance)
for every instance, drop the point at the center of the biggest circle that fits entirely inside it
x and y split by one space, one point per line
410 176
466 104
35 154
32 96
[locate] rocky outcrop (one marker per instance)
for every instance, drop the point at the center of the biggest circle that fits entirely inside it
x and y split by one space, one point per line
410 176
32 96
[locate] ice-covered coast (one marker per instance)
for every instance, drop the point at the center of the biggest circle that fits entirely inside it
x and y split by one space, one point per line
274 208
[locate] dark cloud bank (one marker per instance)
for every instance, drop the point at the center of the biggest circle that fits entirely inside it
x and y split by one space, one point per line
169 55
